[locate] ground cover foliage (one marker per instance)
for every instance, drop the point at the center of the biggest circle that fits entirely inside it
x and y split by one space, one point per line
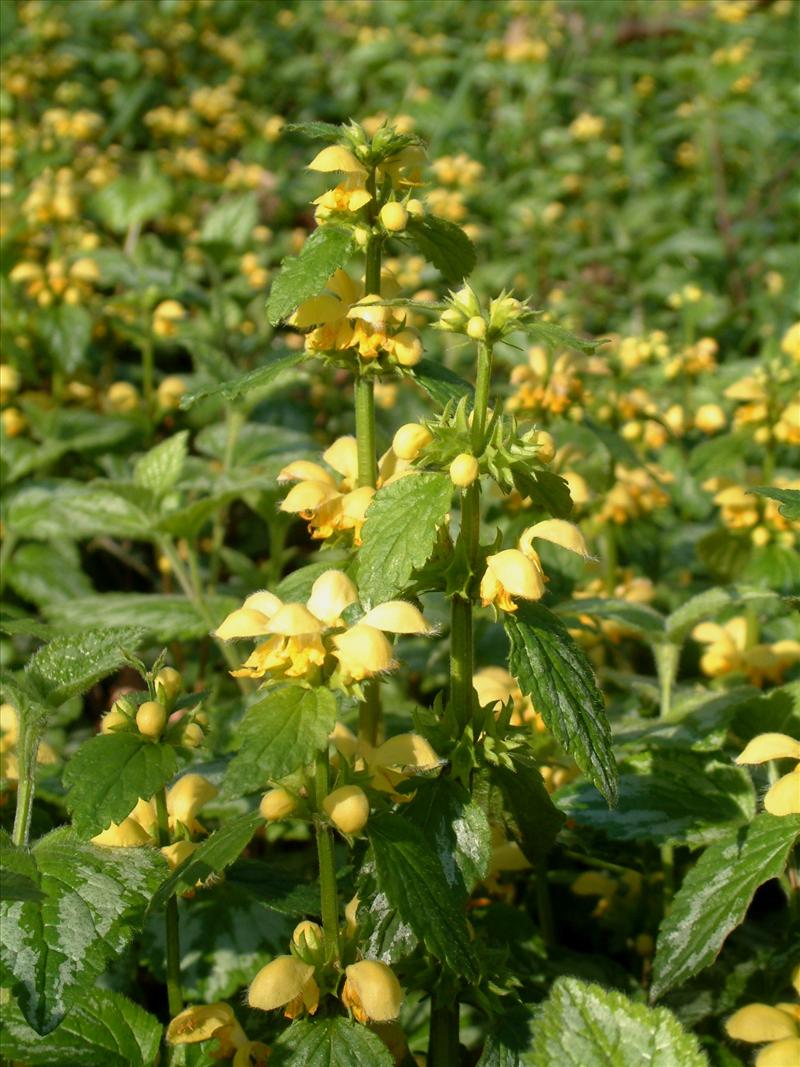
400 510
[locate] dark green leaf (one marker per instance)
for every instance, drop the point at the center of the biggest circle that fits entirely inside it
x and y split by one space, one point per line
275 887
17 886
319 131
552 335
211 856
66 330
159 469
259 378
109 773
789 499
667 796
537 819
301 277
584 1025
71 664
555 673
439 382
94 898
231 222
102 1029
443 244
284 730
333 1042
546 490
400 533
456 827
716 894
411 876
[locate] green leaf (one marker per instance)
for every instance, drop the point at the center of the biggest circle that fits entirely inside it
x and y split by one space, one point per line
555 673
211 856
333 1042
79 511
639 618
109 773
69 665
440 383
443 244
319 131
789 499
710 604
17 886
715 895
667 796
301 277
456 828
94 899
284 730
399 534
411 876
546 490
168 617
537 818
583 1025
616 446
67 331
231 222
553 336
275 887
259 378
42 573
102 1028
719 455
131 201
159 469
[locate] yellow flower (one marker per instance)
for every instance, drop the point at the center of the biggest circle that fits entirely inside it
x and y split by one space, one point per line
347 808
337 158
286 982
328 313
730 652
790 342
186 798
177 852
778 1028
127 834
510 574
277 804
396 759
783 798
363 651
350 195
464 470
9 381
371 992
558 532
496 686
766 747
199 1023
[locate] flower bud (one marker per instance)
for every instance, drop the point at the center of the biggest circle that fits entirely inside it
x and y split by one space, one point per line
193 735
464 470
116 719
546 446
170 391
14 422
394 217
371 992
410 439
347 808
308 935
406 348
122 397
476 328
710 418
151 718
277 804
168 685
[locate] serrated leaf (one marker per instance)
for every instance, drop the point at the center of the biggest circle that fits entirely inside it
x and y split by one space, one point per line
168 617
538 820
399 534
583 1025
443 244
102 1028
413 880
320 131
211 856
715 895
440 383
789 500
231 222
333 1042
555 673
78 511
552 335
42 573
456 828
301 277
109 773
546 490
66 330
667 796
709 604
67 666
281 732
94 899
159 469
258 378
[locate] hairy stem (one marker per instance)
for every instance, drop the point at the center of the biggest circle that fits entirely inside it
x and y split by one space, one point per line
27 751
443 1040
327 863
173 944
462 658
667 656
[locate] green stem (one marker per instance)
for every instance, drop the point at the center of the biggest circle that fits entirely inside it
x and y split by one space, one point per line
369 713
667 656
480 410
327 864
365 431
27 752
462 655
443 1050
173 944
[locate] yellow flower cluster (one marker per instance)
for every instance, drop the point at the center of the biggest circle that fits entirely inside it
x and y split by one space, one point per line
518 572
300 637
743 510
634 494
731 650
204 1022
777 1028
547 385
459 170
